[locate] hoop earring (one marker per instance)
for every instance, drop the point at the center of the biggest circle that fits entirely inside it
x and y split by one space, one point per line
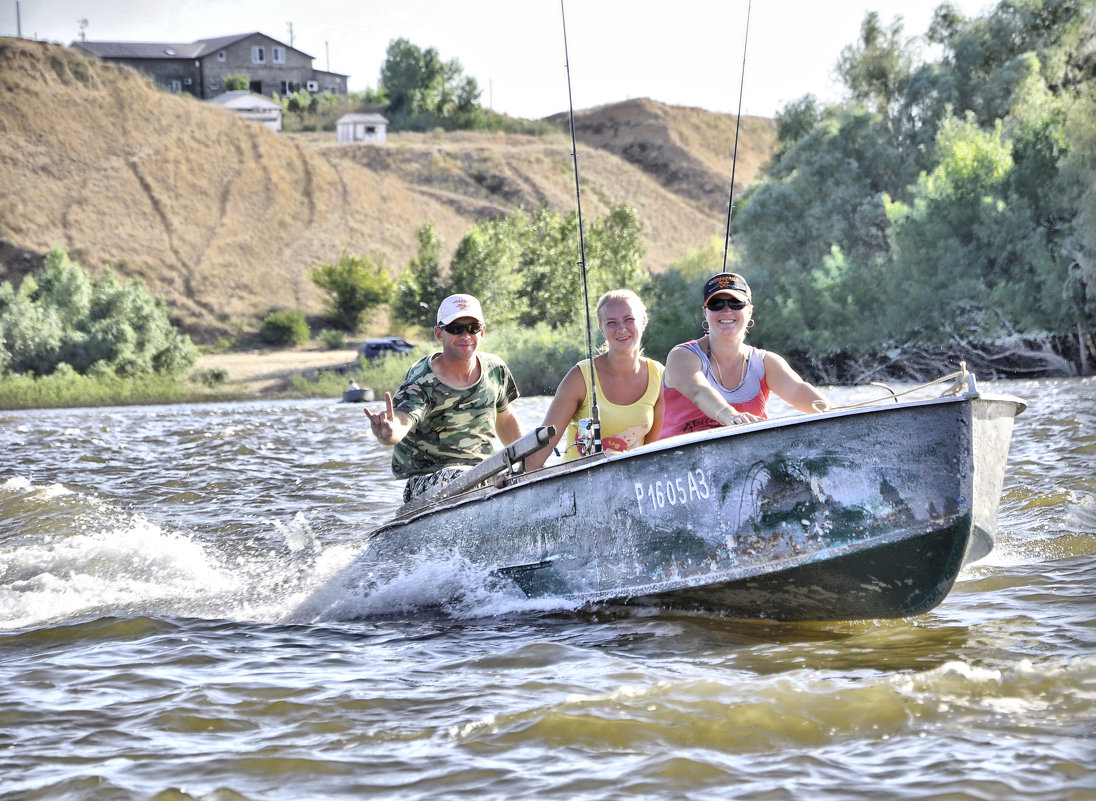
750 324
704 325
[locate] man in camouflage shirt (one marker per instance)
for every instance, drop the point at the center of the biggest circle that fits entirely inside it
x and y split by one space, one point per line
452 408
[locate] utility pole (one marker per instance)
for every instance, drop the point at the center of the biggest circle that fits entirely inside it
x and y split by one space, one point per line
83 23
327 52
18 21
290 26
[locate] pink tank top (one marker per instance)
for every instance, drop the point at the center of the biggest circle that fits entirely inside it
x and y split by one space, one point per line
680 416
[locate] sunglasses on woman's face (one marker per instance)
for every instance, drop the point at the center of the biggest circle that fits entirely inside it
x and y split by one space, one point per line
456 329
718 304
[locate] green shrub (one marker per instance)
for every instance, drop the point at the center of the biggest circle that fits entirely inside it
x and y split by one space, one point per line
212 377
60 315
332 339
539 356
286 328
237 82
354 287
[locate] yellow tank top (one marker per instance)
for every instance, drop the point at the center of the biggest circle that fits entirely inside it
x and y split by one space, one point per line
626 425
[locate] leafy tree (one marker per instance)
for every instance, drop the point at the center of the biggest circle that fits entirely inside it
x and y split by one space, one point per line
421 288
825 191
615 252
673 299
354 286
487 264
967 253
1077 185
877 68
424 91
60 316
299 102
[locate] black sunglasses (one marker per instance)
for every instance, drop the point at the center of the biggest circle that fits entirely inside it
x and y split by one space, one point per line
456 329
719 304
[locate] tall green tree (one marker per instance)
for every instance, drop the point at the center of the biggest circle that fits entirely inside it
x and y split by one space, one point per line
967 254
487 264
424 91
1077 249
355 285
877 68
421 288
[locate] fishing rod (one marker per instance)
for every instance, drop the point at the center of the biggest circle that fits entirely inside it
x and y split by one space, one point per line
737 123
595 424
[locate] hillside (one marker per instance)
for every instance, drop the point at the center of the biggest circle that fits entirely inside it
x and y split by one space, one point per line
226 219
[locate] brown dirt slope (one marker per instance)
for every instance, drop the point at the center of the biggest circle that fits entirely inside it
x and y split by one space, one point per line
226 219
689 151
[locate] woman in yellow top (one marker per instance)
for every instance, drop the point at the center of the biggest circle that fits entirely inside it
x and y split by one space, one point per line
629 400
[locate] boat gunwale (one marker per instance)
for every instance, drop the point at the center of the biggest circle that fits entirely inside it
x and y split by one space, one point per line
606 457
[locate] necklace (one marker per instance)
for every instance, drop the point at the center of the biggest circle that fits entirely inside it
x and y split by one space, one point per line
719 372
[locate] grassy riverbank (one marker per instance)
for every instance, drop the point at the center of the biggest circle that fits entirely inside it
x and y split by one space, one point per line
538 357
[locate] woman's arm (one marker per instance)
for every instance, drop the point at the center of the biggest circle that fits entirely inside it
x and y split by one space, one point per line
656 423
790 386
568 399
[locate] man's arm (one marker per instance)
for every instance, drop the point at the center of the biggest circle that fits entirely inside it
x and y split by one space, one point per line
389 426
507 426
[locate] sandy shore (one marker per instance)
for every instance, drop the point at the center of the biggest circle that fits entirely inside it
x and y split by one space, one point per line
264 372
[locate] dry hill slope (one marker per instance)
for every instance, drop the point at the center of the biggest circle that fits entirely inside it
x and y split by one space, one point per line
221 216
689 151
226 219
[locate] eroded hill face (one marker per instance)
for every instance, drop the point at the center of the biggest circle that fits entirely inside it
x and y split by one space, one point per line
226 219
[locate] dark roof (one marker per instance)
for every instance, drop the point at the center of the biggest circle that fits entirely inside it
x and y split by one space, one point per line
140 49
219 42
167 50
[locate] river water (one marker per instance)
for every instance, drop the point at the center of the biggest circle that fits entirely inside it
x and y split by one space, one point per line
159 570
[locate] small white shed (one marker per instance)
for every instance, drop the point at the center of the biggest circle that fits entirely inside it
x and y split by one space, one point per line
251 106
361 128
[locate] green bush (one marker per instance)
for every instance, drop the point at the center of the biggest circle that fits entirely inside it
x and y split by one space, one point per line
286 328
539 356
332 339
354 286
212 377
60 315
237 82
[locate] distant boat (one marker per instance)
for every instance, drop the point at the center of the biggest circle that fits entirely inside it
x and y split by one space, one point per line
357 394
856 513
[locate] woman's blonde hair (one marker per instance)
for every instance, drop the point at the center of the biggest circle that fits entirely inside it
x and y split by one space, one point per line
619 294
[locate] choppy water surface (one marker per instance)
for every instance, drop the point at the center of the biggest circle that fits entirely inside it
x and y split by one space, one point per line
158 566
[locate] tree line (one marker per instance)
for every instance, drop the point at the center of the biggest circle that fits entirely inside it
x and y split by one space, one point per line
948 204
946 201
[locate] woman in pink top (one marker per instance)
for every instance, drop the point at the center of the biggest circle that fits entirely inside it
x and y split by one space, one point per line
719 379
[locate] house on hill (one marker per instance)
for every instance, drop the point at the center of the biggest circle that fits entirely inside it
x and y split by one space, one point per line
251 106
200 68
361 128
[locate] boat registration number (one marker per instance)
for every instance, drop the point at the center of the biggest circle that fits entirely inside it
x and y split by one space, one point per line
683 489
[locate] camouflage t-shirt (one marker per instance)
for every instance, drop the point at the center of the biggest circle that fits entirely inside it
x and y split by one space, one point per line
450 426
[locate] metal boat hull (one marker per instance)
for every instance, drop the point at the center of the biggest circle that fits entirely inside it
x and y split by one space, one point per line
857 514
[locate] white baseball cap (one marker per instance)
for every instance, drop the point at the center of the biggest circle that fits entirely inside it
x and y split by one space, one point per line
456 306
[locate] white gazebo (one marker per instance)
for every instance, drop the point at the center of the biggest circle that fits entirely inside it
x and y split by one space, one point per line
361 128
251 106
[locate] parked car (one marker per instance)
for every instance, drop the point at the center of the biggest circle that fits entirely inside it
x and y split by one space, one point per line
373 349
